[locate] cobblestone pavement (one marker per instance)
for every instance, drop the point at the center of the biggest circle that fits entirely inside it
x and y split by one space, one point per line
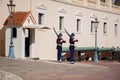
51 70
8 76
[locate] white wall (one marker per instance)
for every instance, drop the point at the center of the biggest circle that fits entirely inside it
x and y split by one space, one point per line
45 40
86 39
45 47
32 43
18 43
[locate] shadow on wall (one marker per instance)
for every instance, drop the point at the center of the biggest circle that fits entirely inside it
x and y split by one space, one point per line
2 42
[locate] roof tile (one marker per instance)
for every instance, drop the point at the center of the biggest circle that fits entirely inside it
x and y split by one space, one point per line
18 19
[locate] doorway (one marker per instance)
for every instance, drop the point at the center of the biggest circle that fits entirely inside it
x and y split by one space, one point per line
27 43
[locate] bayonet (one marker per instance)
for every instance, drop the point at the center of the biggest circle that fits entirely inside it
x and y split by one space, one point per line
67 32
55 31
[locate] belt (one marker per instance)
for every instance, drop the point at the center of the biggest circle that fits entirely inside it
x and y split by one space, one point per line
59 44
71 44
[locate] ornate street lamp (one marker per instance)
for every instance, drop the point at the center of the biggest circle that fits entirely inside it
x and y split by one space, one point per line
11 8
96 22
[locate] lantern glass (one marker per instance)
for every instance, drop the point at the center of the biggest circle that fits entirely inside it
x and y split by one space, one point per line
96 23
11 7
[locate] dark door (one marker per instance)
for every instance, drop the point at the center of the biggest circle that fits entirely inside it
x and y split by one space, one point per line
27 44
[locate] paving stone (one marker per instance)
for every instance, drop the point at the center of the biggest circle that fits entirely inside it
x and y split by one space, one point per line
8 76
29 69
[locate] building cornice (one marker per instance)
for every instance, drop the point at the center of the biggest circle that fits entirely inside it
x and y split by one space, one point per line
82 6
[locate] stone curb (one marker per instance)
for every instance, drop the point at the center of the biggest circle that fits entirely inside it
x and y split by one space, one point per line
8 76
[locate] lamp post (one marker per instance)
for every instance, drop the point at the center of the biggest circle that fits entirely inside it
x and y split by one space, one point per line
11 8
96 52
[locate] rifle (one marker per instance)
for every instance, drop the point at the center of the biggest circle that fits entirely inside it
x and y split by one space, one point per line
67 32
55 31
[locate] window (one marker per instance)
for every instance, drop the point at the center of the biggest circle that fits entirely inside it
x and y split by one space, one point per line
105 27
92 27
78 25
61 22
116 29
41 14
103 1
14 33
40 18
116 2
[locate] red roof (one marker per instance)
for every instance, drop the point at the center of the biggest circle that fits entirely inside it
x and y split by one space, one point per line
18 19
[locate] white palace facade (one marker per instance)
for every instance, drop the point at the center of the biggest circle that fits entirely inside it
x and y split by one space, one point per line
34 21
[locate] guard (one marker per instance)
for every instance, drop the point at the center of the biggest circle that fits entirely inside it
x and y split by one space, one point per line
59 42
72 41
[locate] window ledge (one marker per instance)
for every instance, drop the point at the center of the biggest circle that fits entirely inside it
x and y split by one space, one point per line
104 4
115 6
77 0
61 31
105 34
92 33
78 32
92 1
